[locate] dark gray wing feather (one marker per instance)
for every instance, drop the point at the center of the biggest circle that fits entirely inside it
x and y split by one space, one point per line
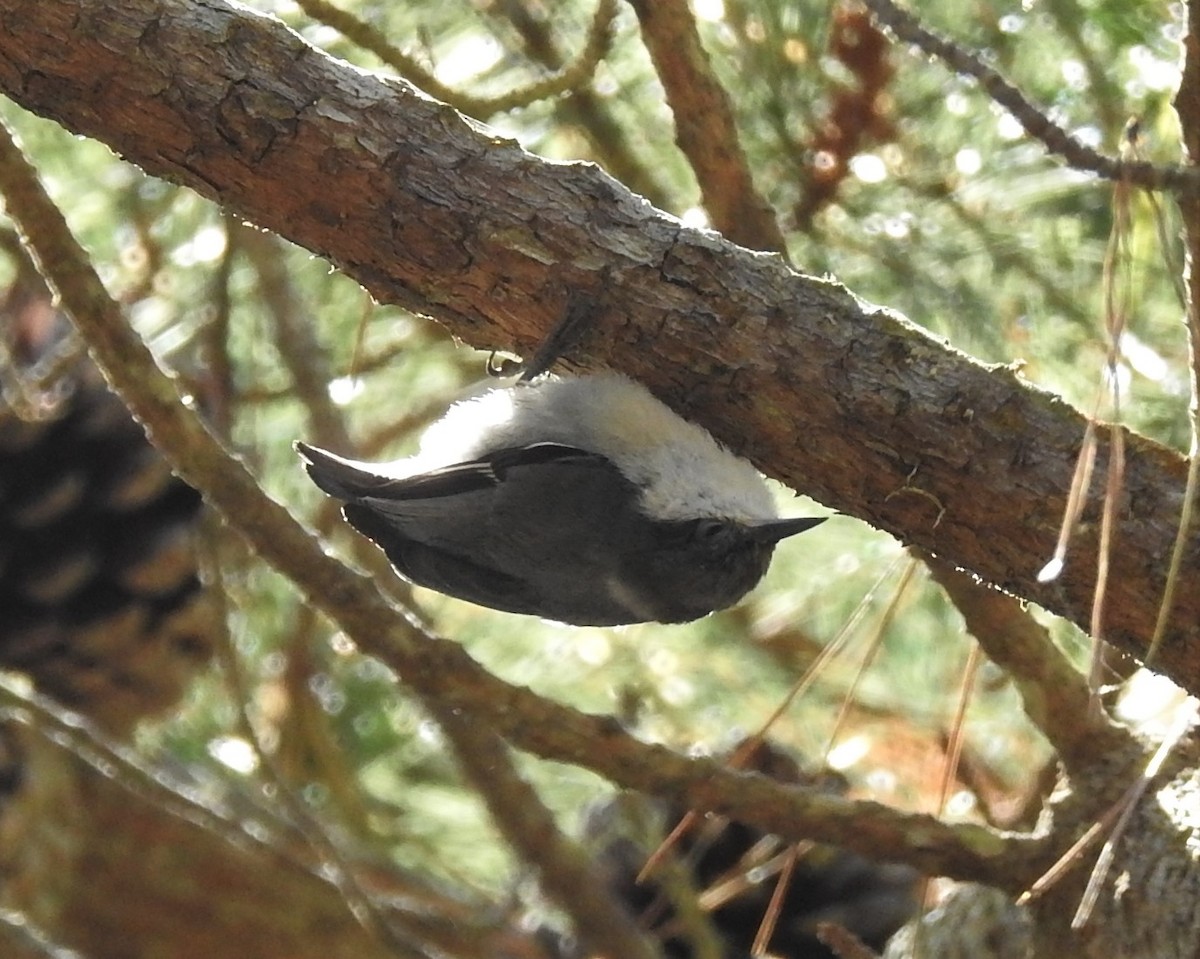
478 530
438 568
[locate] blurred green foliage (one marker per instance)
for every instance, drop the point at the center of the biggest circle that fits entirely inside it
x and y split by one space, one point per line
955 219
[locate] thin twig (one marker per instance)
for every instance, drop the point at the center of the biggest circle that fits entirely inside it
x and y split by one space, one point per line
1081 482
1117 297
1033 119
958 727
770 919
574 75
873 646
566 872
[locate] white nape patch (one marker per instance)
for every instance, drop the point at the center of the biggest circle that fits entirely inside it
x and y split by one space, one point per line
683 472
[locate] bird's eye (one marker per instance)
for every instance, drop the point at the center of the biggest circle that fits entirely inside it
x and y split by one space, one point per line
708 530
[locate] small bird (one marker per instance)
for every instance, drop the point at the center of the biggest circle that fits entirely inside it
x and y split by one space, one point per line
580 499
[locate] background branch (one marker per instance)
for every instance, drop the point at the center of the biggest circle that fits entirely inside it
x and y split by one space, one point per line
1035 121
571 77
1054 693
704 126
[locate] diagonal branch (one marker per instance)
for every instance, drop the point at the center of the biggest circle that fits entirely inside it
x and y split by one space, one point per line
1055 695
566 871
1035 120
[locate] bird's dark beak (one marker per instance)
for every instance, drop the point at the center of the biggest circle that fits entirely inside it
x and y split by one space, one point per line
776 530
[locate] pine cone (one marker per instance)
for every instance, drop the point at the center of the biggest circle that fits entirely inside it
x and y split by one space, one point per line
102 600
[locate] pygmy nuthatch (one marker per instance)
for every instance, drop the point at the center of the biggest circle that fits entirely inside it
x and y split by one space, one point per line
579 499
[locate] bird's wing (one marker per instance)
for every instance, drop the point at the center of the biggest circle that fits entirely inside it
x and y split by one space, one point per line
463 530
445 570
348 479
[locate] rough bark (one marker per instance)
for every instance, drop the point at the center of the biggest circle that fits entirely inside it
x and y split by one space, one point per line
1147 904
842 400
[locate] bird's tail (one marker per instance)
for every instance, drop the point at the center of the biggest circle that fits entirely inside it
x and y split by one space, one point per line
342 478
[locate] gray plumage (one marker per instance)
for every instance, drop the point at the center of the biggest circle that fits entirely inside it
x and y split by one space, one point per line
583 500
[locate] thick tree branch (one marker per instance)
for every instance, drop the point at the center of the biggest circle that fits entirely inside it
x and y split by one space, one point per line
842 400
